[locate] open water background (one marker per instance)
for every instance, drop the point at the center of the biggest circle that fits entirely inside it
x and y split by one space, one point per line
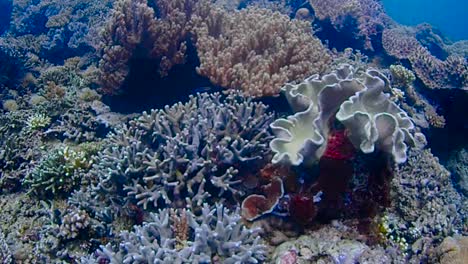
450 16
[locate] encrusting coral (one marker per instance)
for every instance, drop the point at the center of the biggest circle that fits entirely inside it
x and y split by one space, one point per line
453 250
424 196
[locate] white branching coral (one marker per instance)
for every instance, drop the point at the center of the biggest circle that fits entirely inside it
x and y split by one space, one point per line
216 233
179 153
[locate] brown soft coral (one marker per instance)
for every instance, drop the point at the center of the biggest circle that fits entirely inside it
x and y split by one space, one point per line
134 31
257 50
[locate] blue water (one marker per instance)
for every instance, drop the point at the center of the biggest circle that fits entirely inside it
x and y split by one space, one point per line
450 16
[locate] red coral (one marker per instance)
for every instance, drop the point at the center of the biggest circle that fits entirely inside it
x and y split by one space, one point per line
302 208
339 147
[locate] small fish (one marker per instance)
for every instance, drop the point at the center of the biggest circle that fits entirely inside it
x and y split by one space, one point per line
203 89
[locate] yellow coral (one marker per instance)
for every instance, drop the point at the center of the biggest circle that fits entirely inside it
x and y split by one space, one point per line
38 121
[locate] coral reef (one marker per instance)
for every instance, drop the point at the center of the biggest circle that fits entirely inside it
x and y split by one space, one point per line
458 166
316 101
22 220
424 196
459 48
452 72
134 31
246 60
66 29
185 151
334 243
181 236
339 177
369 16
17 156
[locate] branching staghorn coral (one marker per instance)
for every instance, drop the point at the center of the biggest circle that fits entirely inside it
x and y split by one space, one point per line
257 50
188 151
401 43
215 235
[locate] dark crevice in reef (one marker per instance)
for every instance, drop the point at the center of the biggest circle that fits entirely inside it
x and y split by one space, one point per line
454 136
342 39
11 70
145 89
6 7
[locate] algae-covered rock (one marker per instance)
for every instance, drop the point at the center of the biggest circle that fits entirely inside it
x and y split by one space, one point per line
454 250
